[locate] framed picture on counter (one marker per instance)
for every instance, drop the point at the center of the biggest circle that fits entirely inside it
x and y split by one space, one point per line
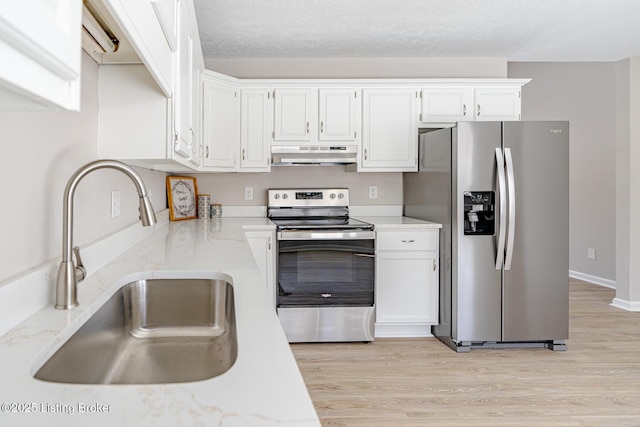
182 193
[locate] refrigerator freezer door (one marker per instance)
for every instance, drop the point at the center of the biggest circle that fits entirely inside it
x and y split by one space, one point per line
535 294
476 284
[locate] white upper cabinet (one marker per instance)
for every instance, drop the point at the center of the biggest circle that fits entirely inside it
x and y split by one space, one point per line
493 104
389 130
187 86
167 12
221 126
337 114
295 114
446 104
139 122
256 124
40 48
442 104
316 116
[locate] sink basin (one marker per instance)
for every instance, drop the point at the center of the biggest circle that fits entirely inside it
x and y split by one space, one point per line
152 331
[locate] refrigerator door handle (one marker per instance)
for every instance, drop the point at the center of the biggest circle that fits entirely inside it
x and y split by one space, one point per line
502 195
511 188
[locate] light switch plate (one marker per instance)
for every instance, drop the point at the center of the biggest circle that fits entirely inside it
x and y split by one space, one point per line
248 193
373 191
115 204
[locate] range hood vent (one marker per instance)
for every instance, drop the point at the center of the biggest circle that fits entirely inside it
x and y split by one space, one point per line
313 155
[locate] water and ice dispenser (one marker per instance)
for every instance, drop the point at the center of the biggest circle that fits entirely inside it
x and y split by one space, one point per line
479 213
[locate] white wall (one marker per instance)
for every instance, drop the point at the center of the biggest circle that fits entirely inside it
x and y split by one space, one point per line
41 150
358 67
584 94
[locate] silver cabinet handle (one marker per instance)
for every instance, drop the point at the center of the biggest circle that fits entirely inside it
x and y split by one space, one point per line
464 109
243 154
434 264
365 154
511 189
307 128
207 152
321 127
269 242
408 241
478 110
502 194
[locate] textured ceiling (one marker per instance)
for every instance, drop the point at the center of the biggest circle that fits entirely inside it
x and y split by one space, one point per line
519 30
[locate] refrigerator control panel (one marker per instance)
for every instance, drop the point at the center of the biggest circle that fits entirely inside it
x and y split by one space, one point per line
479 213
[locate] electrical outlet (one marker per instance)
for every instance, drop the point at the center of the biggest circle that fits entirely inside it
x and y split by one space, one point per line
373 191
248 193
115 204
591 254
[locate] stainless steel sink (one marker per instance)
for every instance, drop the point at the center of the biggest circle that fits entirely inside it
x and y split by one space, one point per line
152 332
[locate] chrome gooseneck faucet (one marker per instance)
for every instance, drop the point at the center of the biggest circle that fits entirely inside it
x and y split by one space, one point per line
69 274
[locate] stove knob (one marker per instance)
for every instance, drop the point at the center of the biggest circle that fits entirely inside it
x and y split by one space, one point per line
277 196
332 196
341 196
285 196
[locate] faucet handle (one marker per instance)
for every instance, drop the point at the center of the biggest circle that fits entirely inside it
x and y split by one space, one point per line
80 271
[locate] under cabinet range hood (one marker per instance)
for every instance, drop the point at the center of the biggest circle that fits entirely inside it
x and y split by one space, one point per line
313 155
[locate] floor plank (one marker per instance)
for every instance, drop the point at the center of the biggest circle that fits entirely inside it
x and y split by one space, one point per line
418 382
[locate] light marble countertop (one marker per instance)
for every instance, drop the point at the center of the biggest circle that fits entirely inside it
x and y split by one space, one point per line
398 222
263 388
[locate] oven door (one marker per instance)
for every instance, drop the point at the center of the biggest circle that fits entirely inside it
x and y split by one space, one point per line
326 283
326 268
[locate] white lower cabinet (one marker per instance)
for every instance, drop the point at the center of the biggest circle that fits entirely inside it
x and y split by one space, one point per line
406 293
263 246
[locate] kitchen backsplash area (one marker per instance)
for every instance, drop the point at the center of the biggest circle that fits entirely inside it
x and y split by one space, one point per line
229 188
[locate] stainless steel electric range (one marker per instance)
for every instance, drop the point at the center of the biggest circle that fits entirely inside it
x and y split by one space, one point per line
325 268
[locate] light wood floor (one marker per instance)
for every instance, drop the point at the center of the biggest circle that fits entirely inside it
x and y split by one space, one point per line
420 382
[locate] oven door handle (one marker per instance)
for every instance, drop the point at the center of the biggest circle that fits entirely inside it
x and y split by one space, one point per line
366 255
326 235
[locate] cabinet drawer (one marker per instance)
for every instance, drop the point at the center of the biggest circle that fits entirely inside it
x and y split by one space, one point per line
407 240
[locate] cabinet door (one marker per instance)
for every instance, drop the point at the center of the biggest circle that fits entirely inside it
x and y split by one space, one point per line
493 104
262 245
40 51
337 114
406 287
446 104
389 130
255 130
184 87
221 125
294 115
167 13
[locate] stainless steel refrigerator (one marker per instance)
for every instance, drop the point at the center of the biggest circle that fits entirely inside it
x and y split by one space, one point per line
501 191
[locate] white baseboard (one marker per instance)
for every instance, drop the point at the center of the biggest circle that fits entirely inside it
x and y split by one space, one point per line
28 293
625 304
402 330
607 283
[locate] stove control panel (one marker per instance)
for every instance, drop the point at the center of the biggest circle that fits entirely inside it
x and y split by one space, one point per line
308 197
